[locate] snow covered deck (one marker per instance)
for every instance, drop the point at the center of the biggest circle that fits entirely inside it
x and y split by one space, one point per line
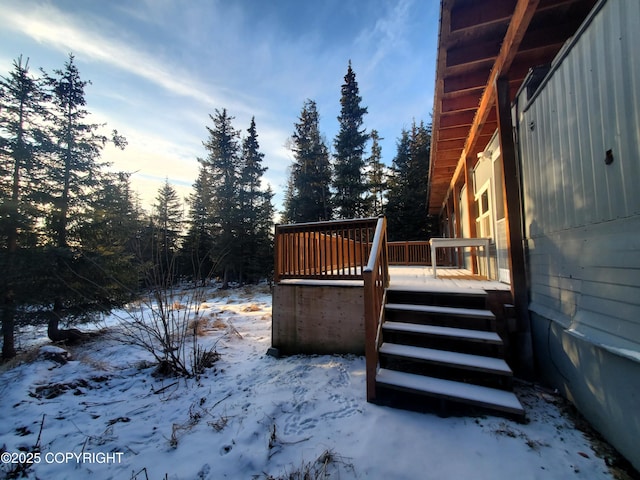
449 279
327 315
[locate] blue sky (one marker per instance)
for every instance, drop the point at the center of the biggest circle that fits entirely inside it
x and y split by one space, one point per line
159 67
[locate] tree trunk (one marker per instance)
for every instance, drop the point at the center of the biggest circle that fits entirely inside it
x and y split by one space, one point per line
71 335
8 316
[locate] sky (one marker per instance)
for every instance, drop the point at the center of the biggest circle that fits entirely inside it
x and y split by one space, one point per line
159 68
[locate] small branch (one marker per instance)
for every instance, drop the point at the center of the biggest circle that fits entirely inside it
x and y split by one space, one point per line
156 392
37 445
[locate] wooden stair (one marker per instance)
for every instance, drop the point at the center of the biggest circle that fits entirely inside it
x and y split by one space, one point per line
442 347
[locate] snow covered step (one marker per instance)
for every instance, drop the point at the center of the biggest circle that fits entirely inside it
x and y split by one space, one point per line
444 357
450 390
444 297
445 332
438 310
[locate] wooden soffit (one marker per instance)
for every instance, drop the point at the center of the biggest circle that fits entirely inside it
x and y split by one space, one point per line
479 41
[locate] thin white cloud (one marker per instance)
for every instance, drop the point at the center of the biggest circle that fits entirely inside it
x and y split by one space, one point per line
388 34
48 25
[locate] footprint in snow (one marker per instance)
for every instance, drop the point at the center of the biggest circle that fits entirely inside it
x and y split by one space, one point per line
346 408
295 425
342 379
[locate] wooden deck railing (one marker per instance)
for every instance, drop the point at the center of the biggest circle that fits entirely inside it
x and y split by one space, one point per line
336 250
339 250
376 280
409 253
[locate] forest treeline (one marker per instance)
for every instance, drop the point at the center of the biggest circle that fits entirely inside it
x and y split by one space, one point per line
75 238
351 184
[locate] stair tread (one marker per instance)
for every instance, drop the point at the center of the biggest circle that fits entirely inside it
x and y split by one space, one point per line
484 396
451 332
462 360
446 291
463 312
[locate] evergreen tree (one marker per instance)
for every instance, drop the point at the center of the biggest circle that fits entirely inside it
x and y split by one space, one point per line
73 176
107 257
114 220
308 193
76 153
22 139
376 178
198 246
397 194
349 183
256 211
167 219
407 196
223 165
22 112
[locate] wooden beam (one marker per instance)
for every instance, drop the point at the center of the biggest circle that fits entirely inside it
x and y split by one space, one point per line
466 81
471 203
524 11
473 53
450 144
468 101
453 133
513 209
444 31
482 13
454 119
445 157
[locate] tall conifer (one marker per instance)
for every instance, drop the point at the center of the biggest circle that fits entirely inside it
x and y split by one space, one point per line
349 178
22 135
308 197
407 196
376 178
256 211
223 168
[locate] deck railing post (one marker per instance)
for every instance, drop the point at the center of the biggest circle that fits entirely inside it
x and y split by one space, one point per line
376 279
370 329
277 261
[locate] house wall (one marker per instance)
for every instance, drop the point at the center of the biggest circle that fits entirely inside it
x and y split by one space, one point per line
582 221
318 318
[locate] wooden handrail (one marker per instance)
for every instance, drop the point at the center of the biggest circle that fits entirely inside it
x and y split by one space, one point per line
344 249
376 280
335 250
409 253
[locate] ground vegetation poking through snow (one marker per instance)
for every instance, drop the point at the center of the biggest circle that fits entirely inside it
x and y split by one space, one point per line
98 410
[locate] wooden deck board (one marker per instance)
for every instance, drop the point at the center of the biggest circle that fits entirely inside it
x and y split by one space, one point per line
449 279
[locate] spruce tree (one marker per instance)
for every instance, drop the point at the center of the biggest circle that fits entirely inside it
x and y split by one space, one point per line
22 144
349 182
308 197
109 239
198 246
22 136
256 211
376 178
73 175
222 166
398 193
76 151
167 219
407 196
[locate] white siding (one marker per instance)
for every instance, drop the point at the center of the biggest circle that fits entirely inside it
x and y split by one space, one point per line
582 217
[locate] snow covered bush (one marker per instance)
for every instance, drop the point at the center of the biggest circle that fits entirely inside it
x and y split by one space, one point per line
166 323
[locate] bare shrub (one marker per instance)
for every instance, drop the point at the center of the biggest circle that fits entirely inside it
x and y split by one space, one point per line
327 465
167 323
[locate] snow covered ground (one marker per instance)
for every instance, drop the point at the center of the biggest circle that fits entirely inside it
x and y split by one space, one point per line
103 414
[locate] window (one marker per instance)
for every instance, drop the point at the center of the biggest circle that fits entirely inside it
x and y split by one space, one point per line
483 220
